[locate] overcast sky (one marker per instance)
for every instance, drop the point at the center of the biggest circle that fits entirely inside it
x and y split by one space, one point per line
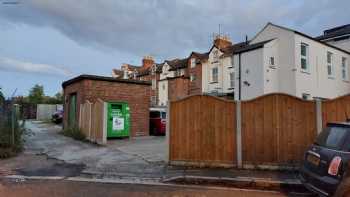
49 41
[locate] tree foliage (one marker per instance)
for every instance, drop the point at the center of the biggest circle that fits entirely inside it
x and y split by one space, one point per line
2 97
36 94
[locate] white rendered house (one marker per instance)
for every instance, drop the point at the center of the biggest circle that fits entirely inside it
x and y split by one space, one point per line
278 60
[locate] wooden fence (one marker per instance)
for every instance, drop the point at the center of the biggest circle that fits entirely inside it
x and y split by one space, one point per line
272 130
92 121
202 131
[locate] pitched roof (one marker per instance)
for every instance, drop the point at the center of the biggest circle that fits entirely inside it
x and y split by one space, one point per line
118 72
307 36
229 50
133 66
201 56
250 47
335 32
177 64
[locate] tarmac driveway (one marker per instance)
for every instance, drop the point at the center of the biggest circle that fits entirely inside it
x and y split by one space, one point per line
141 157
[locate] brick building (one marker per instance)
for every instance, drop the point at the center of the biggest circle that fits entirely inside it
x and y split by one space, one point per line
90 88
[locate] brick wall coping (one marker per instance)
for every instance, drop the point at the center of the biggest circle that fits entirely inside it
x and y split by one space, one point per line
103 78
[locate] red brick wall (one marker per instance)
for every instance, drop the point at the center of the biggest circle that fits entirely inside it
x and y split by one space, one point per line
195 87
136 95
150 77
178 88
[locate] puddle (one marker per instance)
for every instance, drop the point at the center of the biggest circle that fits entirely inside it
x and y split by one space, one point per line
57 169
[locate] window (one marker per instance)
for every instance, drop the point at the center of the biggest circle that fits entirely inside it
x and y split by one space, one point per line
232 61
214 75
344 68
193 62
192 77
163 86
332 137
329 63
153 100
216 55
272 61
154 84
304 59
305 96
232 79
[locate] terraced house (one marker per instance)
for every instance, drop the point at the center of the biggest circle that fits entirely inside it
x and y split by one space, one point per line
276 59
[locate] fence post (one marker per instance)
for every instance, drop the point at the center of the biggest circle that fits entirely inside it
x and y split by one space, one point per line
239 134
319 123
167 133
104 111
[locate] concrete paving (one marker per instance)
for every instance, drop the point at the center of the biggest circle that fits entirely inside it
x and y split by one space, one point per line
49 153
142 157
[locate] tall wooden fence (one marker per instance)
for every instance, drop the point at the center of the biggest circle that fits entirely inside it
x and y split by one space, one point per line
203 131
92 121
272 130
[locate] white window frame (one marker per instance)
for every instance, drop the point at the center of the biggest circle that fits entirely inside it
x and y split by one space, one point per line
215 55
344 68
154 84
193 62
330 69
215 75
192 77
304 57
272 61
153 100
232 61
232 79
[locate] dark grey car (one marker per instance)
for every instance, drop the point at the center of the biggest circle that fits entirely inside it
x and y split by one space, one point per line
326 169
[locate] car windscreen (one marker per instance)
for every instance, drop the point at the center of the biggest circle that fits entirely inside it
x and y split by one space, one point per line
332 137
154 114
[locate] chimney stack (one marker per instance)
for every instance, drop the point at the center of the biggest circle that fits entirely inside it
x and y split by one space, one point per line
222 41
147 62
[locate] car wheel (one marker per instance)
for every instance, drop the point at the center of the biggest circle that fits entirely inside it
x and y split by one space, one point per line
343 189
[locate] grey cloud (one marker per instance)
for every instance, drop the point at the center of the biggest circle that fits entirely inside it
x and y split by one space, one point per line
168 28
13 65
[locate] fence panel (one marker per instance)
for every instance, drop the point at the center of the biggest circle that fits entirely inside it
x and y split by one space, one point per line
336 110
91 121
276 129
202 131
85 121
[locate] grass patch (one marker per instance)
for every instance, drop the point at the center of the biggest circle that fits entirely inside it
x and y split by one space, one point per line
75 133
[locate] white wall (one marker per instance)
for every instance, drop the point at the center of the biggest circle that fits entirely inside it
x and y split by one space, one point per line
163 92
271 72
252 73
165 72
224 66
316 82
286 55
45 111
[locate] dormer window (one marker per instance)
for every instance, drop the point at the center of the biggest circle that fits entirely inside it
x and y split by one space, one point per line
135 74
193 62
153 70
215 55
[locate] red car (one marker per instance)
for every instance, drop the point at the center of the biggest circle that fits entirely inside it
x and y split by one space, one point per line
157 123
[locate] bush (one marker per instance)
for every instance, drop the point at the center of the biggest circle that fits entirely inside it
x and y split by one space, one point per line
10 144
75 133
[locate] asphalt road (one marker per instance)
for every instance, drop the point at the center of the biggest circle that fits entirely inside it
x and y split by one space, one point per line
53 188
